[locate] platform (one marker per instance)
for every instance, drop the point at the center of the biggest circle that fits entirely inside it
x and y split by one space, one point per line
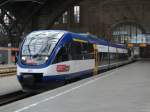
8 79
9 84
125 89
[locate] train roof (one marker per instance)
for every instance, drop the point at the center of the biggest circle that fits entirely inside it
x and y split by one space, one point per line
95 40
84 36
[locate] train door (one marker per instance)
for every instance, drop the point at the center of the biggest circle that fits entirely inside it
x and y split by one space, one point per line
96 57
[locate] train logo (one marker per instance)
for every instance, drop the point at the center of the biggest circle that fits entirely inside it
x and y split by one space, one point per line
63 68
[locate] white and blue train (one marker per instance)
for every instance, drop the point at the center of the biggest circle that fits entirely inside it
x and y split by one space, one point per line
56 56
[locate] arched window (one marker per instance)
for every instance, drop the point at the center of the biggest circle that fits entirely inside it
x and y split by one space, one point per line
128 33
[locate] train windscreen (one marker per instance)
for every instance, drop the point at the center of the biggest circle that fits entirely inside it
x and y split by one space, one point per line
38 46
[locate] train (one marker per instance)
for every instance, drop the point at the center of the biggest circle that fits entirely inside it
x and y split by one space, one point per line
49 57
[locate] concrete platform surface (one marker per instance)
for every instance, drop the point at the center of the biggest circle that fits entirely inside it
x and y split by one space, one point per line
8 85
126 89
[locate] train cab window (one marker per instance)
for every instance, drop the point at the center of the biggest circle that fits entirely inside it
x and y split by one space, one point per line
62 54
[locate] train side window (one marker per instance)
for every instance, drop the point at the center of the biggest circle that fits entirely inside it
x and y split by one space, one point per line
91 51
80 51
85 48
75 50
87 51
91 48
112 57
105 59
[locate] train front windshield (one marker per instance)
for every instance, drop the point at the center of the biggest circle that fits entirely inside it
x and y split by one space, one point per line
38 46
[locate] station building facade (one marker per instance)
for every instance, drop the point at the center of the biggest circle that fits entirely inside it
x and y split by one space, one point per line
100 19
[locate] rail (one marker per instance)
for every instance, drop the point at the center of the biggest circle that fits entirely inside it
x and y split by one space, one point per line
12 97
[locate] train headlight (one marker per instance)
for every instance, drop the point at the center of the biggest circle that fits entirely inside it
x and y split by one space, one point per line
23 58
46 58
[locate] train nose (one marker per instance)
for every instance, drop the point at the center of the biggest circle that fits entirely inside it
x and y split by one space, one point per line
32 81
31 78
37 83
28 79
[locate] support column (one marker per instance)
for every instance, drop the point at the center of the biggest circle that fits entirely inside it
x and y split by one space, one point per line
9 53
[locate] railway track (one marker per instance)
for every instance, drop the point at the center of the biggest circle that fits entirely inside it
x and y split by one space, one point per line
12 97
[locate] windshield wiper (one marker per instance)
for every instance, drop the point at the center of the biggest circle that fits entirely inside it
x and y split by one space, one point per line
29 46
29 50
